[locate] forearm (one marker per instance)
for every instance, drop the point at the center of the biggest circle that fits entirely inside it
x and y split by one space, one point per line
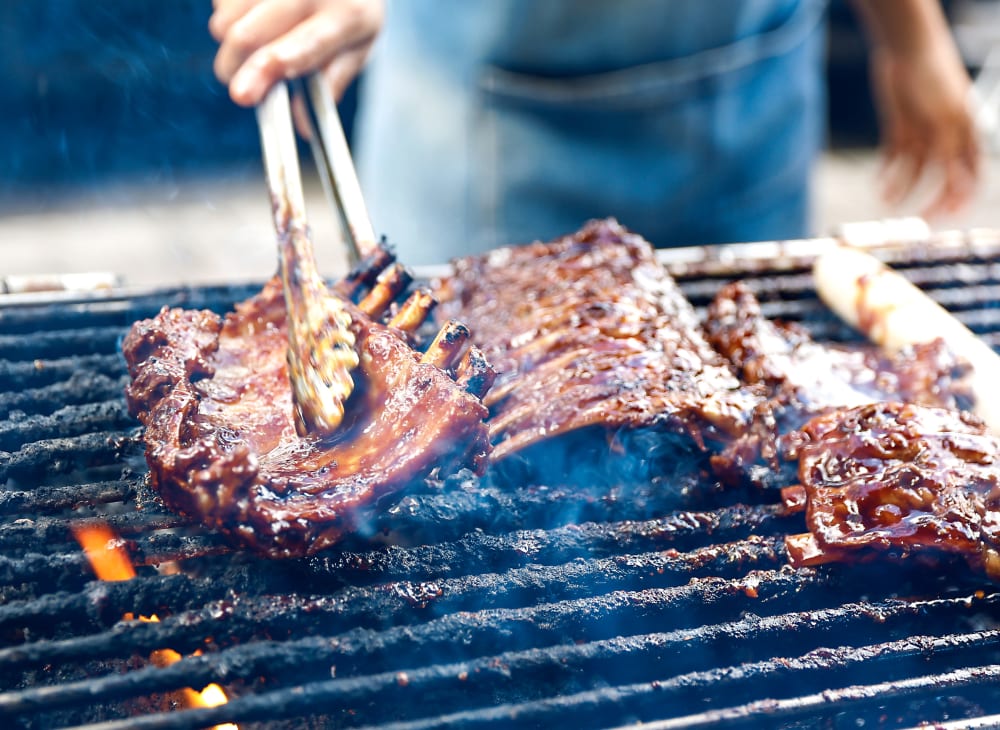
904 27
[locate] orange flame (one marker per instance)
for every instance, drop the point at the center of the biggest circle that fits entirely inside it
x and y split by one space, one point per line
104 551
110 562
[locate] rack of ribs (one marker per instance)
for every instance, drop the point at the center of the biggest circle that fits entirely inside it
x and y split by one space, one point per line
213 394
589 334
803 378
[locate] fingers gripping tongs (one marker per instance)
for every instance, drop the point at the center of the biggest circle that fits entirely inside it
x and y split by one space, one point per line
320 340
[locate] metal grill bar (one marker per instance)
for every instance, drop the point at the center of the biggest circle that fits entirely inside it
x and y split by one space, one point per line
433 642
86 341
982 677
43 500
436 517
100 604
81 387
17 376
476 551
976 318
149 544
481 551
969 283
56 531
971 723
649 700
386 605
62 455
422 687
66 422
121 308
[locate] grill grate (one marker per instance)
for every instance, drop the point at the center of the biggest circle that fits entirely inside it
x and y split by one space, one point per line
469 604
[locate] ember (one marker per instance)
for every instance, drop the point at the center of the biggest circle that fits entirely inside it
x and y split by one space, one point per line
110 562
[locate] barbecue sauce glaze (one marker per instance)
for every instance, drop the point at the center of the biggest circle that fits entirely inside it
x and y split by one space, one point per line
897 477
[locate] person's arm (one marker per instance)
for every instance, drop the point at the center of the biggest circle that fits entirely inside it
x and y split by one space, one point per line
921 91
265 41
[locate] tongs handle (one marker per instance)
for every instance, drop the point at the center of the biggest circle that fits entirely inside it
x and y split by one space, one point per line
281 159
336 168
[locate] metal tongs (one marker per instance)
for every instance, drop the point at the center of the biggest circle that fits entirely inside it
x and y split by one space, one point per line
336 170
320 341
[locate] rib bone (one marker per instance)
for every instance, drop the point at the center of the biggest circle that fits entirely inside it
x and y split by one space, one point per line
390 285
414 311
447 347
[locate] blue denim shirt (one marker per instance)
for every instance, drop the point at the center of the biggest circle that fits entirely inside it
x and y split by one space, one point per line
691 121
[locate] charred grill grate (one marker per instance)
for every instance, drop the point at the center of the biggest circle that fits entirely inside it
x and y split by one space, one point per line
665 601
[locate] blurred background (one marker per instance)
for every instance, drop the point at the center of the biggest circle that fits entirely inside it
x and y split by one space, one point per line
120 152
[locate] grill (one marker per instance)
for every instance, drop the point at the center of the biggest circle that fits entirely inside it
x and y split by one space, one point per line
662 600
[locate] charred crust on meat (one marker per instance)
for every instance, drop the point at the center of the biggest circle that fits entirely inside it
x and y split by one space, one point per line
363 276
474 372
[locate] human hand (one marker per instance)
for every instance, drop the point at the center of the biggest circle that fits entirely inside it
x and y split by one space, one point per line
265 41
927 125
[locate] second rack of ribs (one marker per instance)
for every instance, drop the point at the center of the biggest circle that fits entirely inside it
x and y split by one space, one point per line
589 332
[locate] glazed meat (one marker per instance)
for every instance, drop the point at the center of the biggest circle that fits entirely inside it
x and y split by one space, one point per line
803 378
901 479
220 437
811 377
588 332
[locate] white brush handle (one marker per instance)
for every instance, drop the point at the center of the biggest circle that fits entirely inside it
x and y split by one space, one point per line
894 313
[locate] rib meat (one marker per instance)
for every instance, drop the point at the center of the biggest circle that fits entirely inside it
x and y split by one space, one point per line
589 332
898 478
811 376
214 396
803 378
